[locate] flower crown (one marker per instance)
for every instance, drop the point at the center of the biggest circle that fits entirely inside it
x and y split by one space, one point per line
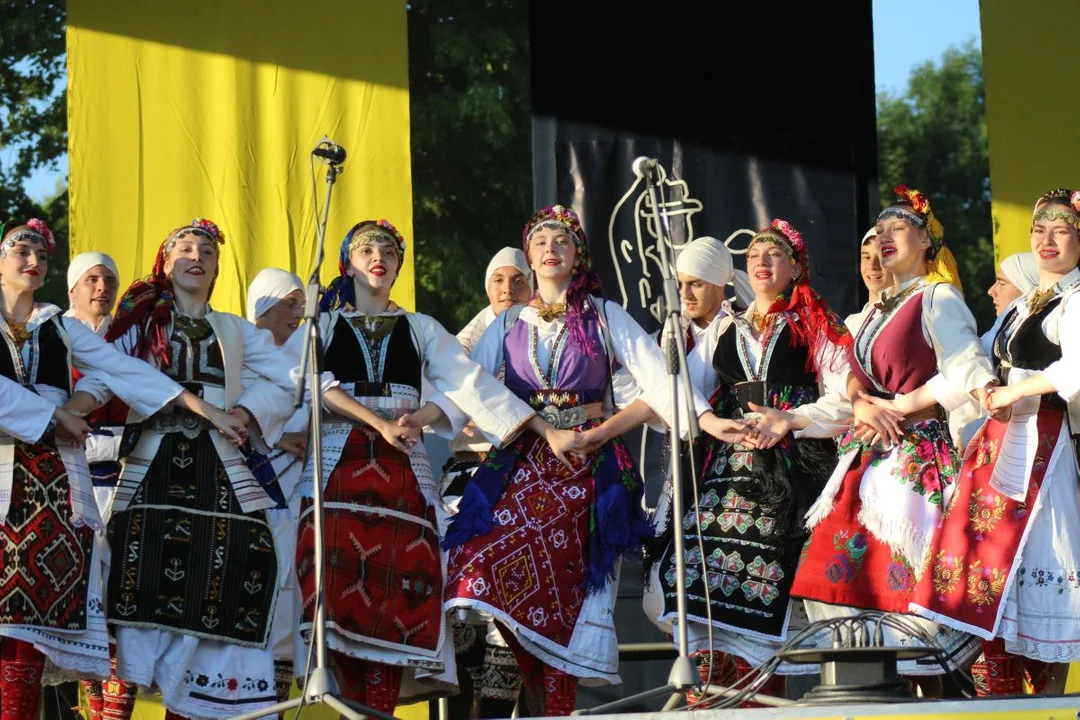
788 230
34 229
920 203
210 228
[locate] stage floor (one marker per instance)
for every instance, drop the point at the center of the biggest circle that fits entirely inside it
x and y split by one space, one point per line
1066 707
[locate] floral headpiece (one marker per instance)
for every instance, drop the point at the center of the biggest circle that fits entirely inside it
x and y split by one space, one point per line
817 325
564 218
354 238
584 281
341 293
1060 196
198 226
34 230
919 214
782 233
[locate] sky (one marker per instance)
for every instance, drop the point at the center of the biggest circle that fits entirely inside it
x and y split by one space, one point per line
906 33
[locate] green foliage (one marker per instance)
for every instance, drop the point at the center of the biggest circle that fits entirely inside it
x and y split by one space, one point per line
933 138
471 145
33 120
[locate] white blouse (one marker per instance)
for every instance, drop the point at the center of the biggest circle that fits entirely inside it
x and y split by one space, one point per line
25 415
830 414
639 367
1062 327
459 386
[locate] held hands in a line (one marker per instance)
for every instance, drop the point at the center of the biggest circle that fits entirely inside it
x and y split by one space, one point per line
876 420
70 428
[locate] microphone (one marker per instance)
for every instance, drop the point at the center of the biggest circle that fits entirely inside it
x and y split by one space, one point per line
329 151
643 166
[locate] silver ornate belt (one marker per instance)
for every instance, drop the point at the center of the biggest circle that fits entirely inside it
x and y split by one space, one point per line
571 417
186 423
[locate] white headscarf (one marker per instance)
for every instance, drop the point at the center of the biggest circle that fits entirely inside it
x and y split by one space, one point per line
708 259
269 286
509 257
83 263
1021 271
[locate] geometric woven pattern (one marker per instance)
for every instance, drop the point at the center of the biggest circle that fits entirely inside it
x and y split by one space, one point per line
44 560
532 563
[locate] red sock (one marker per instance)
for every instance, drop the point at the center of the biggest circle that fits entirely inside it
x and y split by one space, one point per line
20 679
94 698
998 672
560 692
170 715
118 697
383 687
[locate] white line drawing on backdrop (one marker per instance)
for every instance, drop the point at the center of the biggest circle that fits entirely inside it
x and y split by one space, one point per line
644 246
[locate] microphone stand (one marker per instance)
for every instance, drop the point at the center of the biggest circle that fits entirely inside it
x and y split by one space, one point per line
320 685
684 674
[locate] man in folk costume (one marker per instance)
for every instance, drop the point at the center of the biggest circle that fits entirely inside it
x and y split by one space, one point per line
876 278
51 599
481 653
704 270
93 284
1004 559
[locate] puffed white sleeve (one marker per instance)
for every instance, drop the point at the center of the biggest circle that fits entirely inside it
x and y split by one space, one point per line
467 387
949 327
830 415
92 384
134 381
644 360
1063 374
25 414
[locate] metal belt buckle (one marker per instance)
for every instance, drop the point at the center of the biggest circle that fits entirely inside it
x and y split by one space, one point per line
566 418
189 425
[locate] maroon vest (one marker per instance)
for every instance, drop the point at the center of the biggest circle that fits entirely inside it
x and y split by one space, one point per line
901 359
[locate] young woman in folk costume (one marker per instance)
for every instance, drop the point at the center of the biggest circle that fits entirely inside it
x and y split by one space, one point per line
1005 558
915 357
781 365
385 573
536 542
50 598
193 578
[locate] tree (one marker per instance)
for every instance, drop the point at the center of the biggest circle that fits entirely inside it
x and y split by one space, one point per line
471 145
933 137
33 119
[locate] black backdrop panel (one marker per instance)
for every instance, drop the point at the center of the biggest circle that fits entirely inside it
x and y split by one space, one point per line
714 189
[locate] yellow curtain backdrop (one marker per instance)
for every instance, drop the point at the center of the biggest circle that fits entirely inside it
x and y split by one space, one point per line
199 108
1030 110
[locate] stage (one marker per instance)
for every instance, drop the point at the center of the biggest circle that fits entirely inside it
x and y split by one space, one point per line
1066 707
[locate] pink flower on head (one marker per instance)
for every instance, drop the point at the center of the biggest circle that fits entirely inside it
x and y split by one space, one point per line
789 231
42 229
1074 200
